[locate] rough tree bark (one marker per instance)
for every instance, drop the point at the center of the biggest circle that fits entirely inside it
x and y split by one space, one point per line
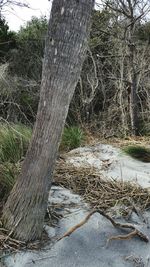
66 44
134 84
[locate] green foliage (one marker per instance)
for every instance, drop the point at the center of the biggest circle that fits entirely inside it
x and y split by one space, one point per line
35 29
72 138
100 31
20 85
14 141
7 40
20 82
8 174
26 60
138 152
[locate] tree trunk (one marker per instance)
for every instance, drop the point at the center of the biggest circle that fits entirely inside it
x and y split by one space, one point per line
133 95
134 107
66 44
134 85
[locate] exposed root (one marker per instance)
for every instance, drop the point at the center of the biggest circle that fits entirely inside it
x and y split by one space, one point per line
123 237
132 234
101 193
74 228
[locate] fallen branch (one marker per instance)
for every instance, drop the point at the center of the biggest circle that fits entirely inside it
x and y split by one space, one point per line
135 231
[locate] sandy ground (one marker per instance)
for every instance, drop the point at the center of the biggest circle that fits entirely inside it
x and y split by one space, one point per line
112 162
86 247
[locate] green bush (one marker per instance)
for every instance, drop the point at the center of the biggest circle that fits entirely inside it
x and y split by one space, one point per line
72 138
138 152
14 141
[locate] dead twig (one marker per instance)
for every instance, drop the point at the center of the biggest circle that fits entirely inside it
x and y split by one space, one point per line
11 232
7 242
134 233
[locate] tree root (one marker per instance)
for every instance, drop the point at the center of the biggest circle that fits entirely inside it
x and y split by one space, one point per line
130 235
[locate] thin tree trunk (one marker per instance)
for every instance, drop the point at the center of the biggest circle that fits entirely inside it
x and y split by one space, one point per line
134 83
134 107
64 54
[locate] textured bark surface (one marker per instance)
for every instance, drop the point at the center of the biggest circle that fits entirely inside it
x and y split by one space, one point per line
66 44
134 83
134 107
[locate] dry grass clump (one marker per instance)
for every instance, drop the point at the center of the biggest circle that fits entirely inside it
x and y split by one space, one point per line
100 192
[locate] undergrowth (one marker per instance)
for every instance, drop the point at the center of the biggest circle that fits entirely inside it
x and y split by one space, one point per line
14 141
72 137
8 174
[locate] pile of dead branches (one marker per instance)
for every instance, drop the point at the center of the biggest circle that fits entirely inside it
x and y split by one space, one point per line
100 192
